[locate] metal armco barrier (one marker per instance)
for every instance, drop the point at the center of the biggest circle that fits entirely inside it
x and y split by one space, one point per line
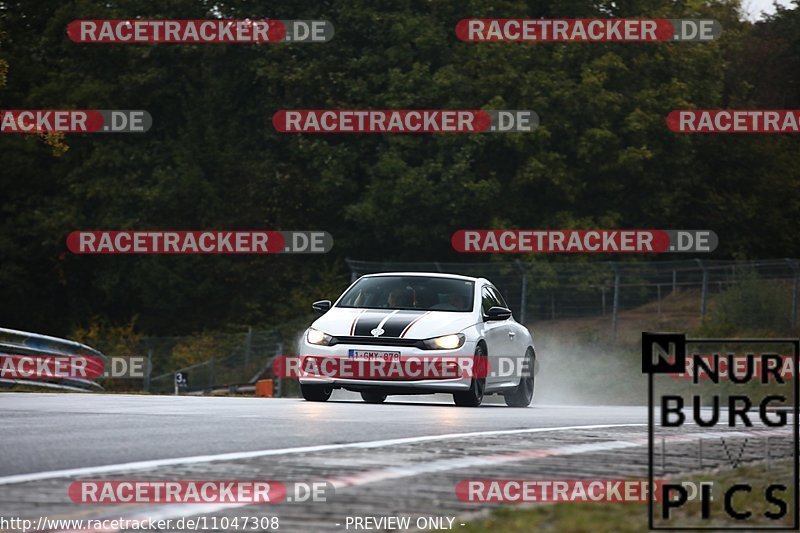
14 342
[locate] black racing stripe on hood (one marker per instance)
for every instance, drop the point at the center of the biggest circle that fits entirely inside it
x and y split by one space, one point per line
368 321
395 325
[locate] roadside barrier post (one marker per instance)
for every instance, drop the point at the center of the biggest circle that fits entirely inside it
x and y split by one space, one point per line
523 298
615 304
704 291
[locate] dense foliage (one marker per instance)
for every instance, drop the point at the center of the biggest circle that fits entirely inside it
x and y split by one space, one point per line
602 157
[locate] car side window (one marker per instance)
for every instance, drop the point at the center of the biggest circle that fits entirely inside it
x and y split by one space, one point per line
487 300
499 297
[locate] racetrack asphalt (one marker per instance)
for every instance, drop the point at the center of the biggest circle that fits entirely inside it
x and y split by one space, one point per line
58 431
403 458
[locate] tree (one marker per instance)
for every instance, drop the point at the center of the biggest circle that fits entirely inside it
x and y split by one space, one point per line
601 157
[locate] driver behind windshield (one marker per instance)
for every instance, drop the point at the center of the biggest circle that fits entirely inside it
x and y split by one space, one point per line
398 298
457 300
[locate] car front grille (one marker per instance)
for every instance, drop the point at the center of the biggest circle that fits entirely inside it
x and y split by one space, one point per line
376 341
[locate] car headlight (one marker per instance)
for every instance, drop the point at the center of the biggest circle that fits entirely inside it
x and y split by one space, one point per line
315 336
445 342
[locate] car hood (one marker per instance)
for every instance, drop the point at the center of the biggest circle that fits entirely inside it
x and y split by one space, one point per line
406 324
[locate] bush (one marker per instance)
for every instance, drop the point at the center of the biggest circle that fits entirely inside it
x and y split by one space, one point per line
751 306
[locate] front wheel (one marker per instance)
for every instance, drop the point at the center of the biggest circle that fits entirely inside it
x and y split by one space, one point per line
316 393
474 396
373 397
522 395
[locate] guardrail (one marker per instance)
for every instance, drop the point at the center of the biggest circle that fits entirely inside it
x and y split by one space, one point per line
15 342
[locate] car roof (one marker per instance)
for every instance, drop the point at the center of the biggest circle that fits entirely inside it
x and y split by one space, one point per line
426 275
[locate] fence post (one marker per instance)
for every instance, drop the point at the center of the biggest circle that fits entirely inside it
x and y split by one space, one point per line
603 292
211 374
793 265
674 281
149 368
278 380
523 297
659 300
353 275
248 348
704 291
615 304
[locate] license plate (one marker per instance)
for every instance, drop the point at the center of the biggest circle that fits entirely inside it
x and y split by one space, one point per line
371 354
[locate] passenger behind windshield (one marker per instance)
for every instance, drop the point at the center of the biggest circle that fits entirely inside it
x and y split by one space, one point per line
410 293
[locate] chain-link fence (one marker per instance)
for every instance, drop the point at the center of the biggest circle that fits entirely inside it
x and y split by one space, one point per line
217 361
538 291
763 292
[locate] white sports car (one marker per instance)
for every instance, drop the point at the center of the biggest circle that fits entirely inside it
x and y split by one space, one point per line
419 315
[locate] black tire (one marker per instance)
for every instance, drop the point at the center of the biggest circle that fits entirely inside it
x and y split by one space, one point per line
373 397
316 393
474 396
522 395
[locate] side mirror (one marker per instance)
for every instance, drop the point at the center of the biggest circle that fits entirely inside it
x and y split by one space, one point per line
498 313
322 306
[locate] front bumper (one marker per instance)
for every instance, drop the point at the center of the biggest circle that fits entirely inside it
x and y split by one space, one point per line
395 386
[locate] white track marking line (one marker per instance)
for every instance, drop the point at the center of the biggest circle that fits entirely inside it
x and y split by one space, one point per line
192 509
443 465
233 456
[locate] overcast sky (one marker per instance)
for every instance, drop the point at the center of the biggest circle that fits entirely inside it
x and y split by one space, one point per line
756 8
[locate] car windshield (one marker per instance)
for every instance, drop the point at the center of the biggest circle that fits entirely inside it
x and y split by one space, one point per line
410 292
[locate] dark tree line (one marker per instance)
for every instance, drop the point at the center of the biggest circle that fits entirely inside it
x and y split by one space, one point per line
602 157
